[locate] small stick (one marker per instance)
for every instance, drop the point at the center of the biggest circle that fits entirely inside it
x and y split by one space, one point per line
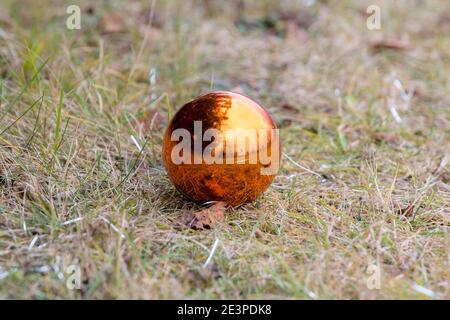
65 223
300 166
33 242
113 227
211 254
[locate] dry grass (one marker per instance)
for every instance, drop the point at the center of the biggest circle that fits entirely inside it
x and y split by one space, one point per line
70 100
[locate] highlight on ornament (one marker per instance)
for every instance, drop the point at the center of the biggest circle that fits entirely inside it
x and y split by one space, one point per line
222 146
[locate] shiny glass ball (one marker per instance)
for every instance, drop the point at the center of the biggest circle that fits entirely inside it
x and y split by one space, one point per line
221 146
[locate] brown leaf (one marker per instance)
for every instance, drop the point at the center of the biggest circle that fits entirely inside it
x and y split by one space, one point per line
391 44
386 137
206 218
112 23
290 108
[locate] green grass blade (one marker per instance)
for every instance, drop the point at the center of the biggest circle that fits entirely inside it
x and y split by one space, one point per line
23 114
24 89
36 123
58 121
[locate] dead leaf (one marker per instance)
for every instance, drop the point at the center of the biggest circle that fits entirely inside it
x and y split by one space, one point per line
206 218
112 23
386 137
290 108
391 44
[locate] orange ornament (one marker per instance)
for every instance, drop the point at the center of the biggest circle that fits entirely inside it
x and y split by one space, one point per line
221 146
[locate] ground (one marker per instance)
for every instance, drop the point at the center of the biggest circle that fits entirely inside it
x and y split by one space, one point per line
365 124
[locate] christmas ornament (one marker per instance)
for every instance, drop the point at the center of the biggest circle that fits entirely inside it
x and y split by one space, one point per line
221 146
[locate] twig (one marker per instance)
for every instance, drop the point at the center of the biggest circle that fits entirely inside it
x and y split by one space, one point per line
211 254
113 227
33 242
425 291
65 223
300 166
394 112
136 143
